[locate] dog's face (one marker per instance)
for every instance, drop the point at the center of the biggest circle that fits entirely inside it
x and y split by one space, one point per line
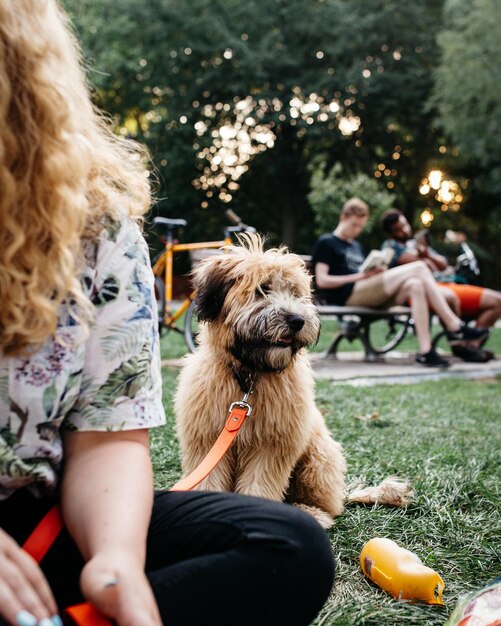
257 305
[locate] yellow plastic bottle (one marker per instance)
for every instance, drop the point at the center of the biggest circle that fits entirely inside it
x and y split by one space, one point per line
400 572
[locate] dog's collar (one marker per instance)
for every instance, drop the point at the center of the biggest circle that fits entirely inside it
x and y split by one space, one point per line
246 383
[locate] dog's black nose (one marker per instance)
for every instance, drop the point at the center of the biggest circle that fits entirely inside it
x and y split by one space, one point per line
295 322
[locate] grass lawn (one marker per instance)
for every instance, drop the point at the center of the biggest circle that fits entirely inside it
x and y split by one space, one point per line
445 437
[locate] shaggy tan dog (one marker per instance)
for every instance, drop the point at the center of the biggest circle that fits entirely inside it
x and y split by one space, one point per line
258 318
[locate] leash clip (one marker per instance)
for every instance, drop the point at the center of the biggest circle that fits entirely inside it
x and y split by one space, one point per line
241 404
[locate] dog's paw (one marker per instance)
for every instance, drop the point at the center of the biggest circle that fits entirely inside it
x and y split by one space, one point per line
324 519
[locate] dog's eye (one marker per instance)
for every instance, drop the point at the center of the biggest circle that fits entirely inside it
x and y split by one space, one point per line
263 290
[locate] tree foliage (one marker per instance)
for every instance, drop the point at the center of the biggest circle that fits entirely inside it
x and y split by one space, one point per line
468 85
468 97
347 80
329 193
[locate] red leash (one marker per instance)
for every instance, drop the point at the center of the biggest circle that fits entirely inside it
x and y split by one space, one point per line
44 535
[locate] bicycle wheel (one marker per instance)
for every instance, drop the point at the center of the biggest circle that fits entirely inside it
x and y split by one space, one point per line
385 334
160 299
191 327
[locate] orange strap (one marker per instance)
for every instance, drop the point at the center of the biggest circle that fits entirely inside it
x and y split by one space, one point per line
87 615
38 544
238 412
44 535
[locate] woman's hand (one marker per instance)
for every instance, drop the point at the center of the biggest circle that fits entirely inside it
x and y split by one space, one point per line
117 586
23 586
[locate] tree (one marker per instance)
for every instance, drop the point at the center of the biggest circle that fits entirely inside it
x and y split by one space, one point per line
468 97
235 100
329 193
468 83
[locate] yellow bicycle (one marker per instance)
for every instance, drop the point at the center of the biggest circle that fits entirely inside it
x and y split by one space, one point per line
169 315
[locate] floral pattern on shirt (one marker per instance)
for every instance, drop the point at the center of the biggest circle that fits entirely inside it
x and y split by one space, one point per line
104 379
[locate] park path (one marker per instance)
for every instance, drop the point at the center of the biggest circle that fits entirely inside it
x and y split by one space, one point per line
397 368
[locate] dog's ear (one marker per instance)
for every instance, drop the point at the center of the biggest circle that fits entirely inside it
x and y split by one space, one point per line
212 283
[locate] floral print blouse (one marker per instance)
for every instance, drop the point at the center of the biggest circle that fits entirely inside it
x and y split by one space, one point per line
104 379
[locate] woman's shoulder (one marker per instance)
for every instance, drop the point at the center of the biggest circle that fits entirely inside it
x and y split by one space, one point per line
114 235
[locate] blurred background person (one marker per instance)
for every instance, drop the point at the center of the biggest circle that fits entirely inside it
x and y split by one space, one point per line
470 302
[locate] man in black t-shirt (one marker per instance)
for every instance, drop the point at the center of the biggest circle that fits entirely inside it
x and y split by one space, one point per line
336 261
345 256
337 258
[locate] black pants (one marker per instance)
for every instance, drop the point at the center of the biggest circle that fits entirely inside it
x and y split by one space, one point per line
215 559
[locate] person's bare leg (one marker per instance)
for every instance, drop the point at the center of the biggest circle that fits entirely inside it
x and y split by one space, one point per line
452 300
490 308
413 289
489 311
394 278
455 303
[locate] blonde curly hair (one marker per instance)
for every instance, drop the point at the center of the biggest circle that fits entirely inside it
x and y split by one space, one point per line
61 171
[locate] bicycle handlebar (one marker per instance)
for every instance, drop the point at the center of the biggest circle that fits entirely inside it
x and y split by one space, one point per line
238 229
236 219
233 217
240 226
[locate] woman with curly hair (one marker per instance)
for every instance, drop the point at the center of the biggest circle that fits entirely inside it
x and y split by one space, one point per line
80 382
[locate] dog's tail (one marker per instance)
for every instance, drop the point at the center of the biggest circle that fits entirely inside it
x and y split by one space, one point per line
393 491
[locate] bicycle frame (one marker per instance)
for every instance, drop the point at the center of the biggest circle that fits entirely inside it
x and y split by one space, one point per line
163 270
163 267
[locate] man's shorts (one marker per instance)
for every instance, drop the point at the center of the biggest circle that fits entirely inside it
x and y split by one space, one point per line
370 292
469 297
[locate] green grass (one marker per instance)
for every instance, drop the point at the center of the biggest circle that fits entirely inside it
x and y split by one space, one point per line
173 346
442 436
445 438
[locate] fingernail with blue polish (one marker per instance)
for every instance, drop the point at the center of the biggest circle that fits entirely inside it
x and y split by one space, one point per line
56 620
23 618
45 622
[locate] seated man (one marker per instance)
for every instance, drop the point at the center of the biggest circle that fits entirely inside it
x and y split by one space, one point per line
469 301
336 260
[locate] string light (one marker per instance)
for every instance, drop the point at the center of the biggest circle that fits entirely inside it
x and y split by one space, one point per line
426 218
